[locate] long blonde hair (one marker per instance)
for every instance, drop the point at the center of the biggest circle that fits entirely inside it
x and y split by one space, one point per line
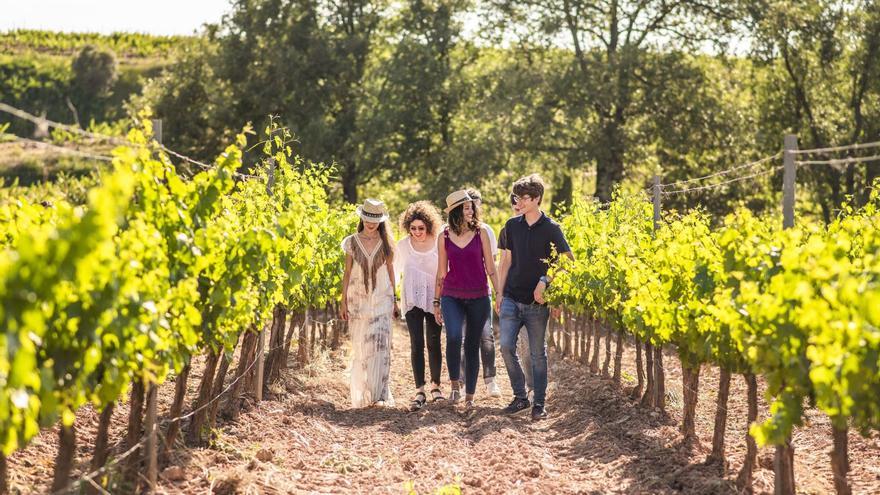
386 254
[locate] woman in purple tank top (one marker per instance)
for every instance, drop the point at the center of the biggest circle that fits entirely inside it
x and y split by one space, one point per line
465 259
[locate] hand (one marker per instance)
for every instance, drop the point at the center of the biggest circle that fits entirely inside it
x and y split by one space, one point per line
539 293
498 304
438 315
396 311
343 312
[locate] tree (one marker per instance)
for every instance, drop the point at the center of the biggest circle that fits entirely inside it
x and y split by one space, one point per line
610 43
303 60
94 74
822 56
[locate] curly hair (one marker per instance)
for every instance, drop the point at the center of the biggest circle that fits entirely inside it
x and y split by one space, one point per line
420 210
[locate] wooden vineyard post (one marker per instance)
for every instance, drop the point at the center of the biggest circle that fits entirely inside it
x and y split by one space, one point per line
261 337
783 464
788 180
659 375
150 425
150 428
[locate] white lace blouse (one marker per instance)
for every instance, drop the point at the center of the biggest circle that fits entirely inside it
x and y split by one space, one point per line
419 272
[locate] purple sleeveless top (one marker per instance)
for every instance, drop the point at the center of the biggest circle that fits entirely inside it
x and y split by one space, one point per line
466 278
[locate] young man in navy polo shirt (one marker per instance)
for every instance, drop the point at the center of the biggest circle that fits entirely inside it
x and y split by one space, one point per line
532 239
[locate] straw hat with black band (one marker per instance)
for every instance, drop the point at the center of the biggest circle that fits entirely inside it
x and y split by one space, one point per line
457 198
372 211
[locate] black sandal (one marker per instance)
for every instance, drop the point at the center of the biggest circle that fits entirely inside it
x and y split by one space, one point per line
436 395
418 402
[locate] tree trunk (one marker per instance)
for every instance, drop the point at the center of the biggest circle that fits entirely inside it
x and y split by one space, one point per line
659 379
176 409
640 372
594 364
135 424
313 344
618 357
303 343
606 365
245 358
840 460
588 341
565 190
276 339
276 349
297 321
717 455
783 468
64 460
851 180
194 433
349 183
610 167
4 475
566 329
690 394
650 393
744 480
217 389
101 440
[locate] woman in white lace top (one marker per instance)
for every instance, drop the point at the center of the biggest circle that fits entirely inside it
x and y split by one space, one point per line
416 260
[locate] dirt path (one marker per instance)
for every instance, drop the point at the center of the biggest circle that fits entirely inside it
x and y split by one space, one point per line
306 439
595 441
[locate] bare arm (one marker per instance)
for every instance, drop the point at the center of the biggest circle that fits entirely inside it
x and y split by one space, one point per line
503 268
396 311
488 260
442 269
343 308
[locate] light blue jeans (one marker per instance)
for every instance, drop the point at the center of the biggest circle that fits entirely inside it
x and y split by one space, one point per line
534 318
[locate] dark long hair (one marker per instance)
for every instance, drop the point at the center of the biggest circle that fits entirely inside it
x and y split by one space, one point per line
456 219
386 254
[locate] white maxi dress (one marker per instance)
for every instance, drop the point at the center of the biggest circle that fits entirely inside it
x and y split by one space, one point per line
370 329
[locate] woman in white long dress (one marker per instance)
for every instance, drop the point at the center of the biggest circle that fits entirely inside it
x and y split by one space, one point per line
368 303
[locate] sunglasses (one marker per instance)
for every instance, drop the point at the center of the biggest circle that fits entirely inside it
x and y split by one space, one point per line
418 227
514 199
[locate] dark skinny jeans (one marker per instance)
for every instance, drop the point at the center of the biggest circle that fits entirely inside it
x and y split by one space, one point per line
421 324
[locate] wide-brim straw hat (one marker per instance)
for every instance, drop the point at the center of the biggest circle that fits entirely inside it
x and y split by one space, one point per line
373 211
457 198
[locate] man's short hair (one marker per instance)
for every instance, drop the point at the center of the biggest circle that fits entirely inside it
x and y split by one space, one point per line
531 185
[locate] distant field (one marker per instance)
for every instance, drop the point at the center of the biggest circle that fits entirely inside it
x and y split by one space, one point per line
36 76
125 45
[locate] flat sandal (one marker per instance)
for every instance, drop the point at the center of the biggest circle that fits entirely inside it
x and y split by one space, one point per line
436 395
418 402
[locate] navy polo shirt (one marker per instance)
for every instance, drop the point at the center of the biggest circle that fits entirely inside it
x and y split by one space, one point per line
530 248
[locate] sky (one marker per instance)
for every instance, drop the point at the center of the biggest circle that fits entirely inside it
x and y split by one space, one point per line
106 16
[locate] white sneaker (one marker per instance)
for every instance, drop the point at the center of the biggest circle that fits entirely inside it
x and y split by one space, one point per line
455 396
492 387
